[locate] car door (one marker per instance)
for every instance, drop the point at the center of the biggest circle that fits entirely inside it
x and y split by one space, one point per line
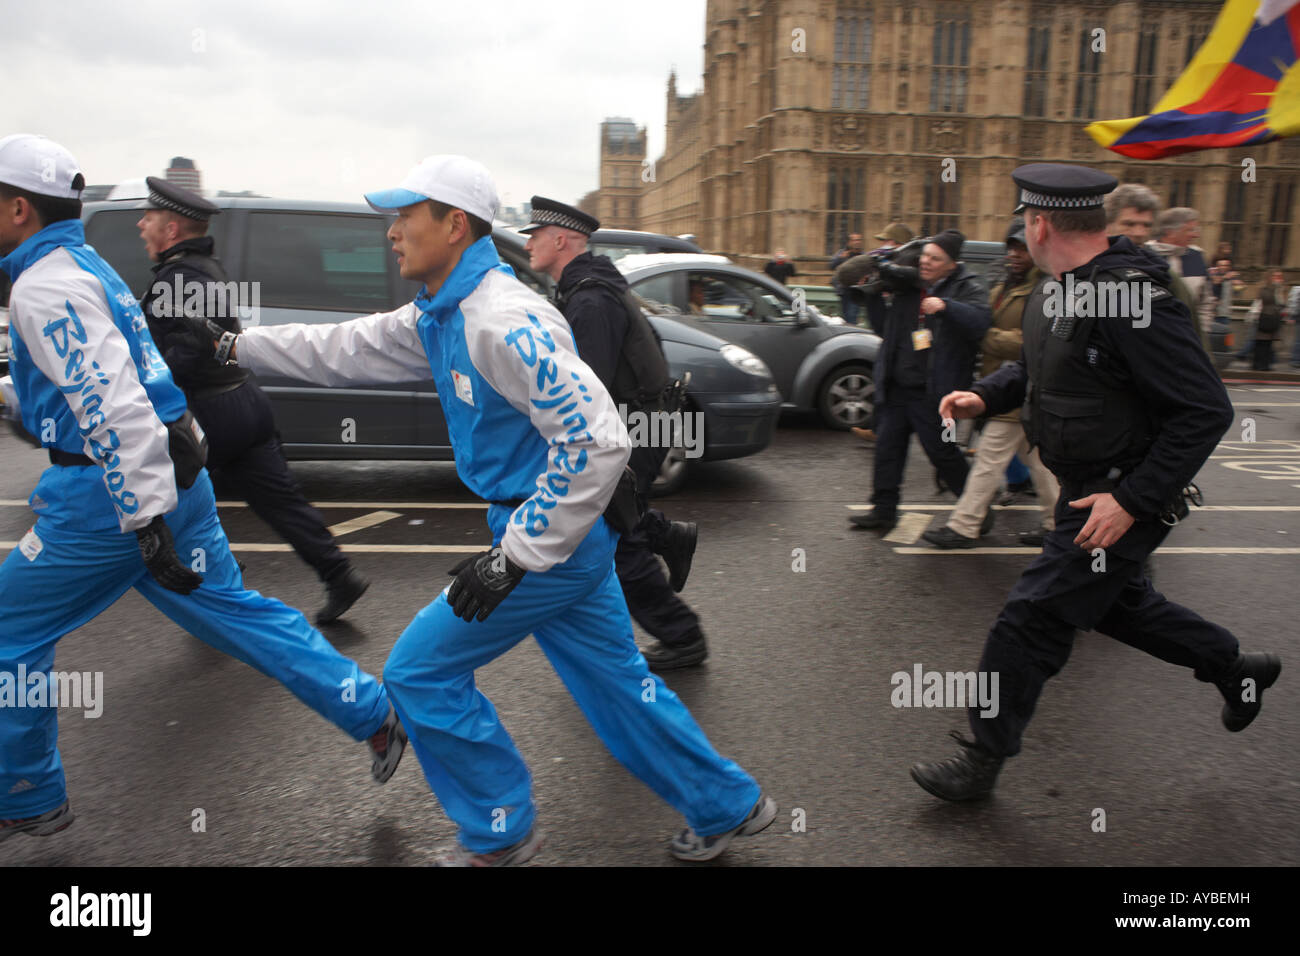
750 314
324 267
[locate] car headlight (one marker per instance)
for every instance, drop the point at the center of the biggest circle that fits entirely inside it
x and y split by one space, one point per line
745 360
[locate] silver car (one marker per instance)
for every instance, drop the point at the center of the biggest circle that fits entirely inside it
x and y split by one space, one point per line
820 364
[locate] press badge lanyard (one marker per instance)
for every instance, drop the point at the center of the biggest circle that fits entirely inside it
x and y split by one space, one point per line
921 338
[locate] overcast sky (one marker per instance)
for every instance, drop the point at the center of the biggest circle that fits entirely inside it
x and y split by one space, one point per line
326 100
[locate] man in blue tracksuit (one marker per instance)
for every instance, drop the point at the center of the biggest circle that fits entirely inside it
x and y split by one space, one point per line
124 497
536 434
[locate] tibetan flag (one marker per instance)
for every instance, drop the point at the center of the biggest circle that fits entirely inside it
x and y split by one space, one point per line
1242 87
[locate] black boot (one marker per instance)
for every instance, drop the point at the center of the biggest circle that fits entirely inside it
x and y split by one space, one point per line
667 657
877 519
970 775
341 594
1260 668
677 548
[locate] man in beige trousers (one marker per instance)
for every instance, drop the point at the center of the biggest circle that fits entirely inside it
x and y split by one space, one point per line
1003 436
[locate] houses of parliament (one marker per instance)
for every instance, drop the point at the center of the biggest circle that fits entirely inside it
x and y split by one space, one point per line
820 118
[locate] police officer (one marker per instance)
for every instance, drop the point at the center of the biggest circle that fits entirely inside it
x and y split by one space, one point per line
620 346
244 447
1124 410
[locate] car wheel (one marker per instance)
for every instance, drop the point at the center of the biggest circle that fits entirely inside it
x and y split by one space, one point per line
847 397
672 476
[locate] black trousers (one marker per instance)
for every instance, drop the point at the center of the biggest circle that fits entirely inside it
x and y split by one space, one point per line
650 599
1066 590
244 456
1262 355
906 411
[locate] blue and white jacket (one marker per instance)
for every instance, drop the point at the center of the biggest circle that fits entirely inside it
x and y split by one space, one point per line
87 379
528 419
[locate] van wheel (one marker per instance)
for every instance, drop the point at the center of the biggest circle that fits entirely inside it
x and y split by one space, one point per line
847 397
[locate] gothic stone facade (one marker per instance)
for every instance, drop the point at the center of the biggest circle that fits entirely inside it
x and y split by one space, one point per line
817 118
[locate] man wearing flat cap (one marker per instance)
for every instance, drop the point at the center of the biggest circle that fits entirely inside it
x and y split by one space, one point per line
1124 408
617 341
243 443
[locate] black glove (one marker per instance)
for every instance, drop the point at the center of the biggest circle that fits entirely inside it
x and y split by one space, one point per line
159 552
482 582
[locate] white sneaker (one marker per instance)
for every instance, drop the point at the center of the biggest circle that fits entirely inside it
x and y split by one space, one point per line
688 845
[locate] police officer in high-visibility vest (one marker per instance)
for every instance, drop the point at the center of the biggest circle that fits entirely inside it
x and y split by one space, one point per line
1124 408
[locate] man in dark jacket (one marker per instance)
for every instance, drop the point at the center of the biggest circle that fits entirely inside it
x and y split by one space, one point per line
933 323
590 294
243 444
1124 407
1003 436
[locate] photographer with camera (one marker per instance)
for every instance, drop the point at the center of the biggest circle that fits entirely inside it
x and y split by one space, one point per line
932 314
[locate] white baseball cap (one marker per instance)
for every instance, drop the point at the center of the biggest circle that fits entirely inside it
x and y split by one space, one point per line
454 180
40 166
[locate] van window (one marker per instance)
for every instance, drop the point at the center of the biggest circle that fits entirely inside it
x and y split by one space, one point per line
113 235
318 261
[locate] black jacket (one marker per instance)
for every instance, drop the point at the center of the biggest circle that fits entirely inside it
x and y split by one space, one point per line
594 312
956 331
1164 364
191 362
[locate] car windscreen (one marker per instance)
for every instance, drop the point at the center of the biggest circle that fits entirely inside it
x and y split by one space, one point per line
315 261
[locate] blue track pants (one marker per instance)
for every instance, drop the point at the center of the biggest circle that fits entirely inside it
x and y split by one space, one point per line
578 615
76 574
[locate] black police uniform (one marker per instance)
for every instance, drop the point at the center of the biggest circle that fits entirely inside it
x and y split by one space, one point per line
1113 406
589 295
243 443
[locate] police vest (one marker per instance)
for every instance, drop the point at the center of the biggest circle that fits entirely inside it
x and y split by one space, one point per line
1081 410
641 376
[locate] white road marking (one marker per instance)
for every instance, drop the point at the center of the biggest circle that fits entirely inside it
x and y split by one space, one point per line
943 507
1027 552
6 546
365 521
909 528
404 505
